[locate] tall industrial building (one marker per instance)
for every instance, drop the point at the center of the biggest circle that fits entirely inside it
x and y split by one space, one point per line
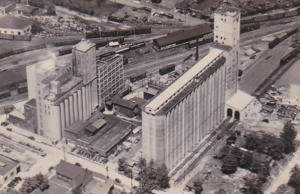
64 92
181 116
110 77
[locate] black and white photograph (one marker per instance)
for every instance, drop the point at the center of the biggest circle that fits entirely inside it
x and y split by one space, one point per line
149 96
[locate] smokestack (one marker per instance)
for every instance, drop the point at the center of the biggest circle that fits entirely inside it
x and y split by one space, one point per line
197 49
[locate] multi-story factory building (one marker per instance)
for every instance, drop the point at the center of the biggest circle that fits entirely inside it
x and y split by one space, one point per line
64 92
189 109
110 77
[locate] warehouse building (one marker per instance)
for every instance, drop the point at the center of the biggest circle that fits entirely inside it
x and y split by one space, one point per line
14 25
12 83
9 168
182 36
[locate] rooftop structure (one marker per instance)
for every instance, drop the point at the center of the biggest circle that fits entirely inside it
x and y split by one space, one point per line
95 126
169 93
228 9
84 46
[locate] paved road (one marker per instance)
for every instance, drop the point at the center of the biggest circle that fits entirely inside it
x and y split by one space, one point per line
263 67
54 155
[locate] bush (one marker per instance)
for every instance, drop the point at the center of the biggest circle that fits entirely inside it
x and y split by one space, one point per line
288 136
197 187
294 180
230 164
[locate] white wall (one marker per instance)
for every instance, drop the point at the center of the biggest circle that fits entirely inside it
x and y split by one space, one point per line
24 31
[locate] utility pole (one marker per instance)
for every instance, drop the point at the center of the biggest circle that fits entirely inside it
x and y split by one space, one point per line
131 178
107 172
197 49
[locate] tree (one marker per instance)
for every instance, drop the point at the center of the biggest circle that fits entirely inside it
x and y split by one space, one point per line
288 136
151 177
121 164
30 184
197 186
289 131
294 180
51 10
162 177
230 164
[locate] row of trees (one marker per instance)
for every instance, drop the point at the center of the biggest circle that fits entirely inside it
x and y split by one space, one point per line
151 177
30 184
272 146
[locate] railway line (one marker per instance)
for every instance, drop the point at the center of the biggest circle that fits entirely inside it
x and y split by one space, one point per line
198 154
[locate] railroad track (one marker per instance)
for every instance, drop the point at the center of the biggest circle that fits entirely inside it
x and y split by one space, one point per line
210 143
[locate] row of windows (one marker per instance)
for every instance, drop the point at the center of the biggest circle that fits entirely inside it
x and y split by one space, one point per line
13 32
221 37
108 71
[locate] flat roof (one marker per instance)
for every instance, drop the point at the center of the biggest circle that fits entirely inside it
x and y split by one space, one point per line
124 103
112 137
7 164
69 170
183 35
228 9
13 22
192 85
182 81
240 100
84 45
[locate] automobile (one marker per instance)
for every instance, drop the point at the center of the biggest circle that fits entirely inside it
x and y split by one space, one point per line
4 123
9 129
43 154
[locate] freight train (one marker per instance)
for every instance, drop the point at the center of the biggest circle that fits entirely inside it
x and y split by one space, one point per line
140 76
123 50
271 16
278 40
166 69
113 33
